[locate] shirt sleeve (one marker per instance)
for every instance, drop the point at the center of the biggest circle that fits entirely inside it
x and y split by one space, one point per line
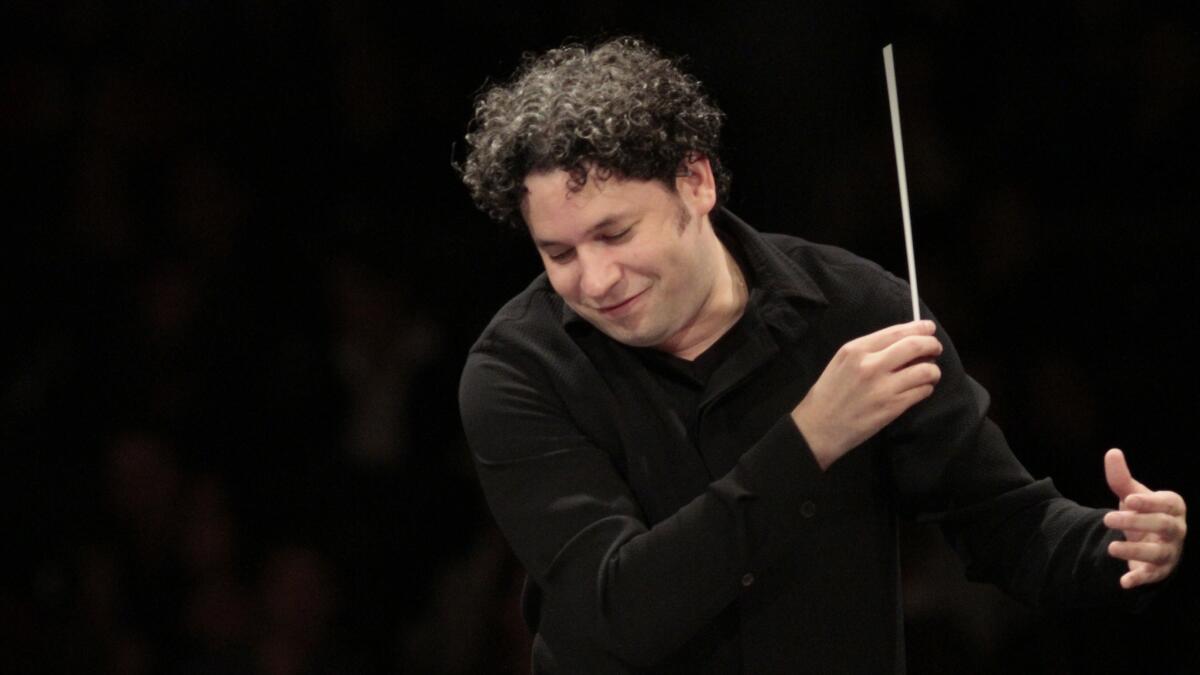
608 578
954 467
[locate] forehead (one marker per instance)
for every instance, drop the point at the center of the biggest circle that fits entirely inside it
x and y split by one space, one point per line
552 208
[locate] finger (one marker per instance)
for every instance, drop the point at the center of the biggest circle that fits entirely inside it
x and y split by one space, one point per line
1166 526
880 339
1148 552
1116 472
915 375
1161 501
1141 576
905 400
908 349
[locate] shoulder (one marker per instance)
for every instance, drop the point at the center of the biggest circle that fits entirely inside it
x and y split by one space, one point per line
525 351
530 376
532 318
846 279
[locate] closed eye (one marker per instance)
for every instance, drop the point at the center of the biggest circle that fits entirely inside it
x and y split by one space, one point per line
618 236
565 255
562 257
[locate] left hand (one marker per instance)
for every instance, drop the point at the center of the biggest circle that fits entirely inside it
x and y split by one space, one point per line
1154 524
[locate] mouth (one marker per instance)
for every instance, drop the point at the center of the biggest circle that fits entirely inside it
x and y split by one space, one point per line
623 305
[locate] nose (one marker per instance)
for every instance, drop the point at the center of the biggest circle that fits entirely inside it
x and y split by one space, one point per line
599 273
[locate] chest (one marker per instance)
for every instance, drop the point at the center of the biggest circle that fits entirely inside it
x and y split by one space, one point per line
670 442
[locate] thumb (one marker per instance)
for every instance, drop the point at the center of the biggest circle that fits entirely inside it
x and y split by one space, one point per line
1116 472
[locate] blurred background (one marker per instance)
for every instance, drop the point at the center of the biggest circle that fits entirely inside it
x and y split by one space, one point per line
241 279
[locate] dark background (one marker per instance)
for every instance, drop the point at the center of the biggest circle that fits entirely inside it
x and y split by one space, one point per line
241 278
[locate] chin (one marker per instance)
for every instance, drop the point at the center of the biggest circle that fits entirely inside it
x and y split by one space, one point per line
616 331
637 342
634 339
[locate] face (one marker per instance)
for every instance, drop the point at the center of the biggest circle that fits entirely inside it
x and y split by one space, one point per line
631 257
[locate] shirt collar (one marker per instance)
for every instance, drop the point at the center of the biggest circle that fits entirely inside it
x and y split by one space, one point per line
772 270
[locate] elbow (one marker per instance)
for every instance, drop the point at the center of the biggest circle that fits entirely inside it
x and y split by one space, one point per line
612 624
609 637
633 646
637 626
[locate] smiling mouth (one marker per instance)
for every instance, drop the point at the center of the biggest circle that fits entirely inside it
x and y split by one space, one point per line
621 305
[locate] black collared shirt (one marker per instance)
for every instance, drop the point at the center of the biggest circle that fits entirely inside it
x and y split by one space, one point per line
672 518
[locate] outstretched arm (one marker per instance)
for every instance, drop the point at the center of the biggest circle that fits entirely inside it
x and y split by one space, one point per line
1154 523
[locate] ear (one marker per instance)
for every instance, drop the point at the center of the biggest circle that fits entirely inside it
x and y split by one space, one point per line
696 185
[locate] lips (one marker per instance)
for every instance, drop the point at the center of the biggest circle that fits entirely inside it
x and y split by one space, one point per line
623 305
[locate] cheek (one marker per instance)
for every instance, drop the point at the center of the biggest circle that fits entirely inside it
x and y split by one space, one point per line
678 267
562 280
647 262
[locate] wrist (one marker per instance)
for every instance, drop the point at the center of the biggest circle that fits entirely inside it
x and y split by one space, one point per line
822 448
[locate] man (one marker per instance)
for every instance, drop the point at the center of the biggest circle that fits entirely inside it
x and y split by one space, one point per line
698 438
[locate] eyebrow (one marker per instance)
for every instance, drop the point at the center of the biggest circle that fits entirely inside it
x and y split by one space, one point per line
610 220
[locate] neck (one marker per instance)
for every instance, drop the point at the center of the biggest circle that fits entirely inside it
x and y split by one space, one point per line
725 305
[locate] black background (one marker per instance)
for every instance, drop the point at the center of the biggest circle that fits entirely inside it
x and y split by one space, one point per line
214 208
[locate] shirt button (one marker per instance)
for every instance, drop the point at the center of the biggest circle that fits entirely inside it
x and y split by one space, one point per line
747 579
808 509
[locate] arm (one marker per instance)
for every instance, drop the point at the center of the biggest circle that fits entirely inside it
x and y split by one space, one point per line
609 579
869 382
954 466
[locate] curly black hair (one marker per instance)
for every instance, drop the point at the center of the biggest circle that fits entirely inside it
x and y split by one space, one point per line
619 109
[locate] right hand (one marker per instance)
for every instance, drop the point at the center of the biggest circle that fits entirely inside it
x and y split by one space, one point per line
871 381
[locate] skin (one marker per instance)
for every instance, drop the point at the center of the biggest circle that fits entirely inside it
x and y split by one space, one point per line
641 262
1154 524
869 382
638 261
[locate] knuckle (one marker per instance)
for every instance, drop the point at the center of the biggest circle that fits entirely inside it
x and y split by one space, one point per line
911 346
1163 555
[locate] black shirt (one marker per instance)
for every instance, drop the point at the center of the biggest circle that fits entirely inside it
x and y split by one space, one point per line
682 383
673 519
